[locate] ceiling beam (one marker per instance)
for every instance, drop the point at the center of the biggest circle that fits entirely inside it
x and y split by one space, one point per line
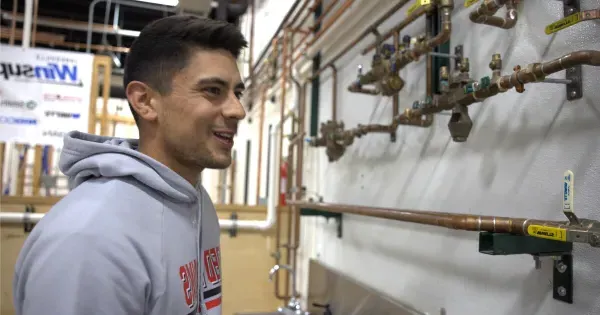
58 40
73 25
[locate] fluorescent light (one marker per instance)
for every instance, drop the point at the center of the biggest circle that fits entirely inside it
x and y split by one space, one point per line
162 2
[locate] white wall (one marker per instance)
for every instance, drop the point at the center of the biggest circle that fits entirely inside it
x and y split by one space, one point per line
512 165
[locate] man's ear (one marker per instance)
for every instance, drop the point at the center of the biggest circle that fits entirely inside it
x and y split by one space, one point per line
140 96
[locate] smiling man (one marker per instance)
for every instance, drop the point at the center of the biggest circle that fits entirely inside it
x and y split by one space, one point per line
136 234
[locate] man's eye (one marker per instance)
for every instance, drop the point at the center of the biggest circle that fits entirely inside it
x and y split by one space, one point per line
213 90
239 95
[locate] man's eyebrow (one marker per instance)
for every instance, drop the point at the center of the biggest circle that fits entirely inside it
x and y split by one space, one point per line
214 80
221 82
240 86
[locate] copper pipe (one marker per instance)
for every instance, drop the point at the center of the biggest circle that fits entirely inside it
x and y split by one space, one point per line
36 4
304 18
455 221
534 72
333 92
284 78
413 54
484 14
324 29
332 4
395 99
251 53
297 15
261 121
333 19
360 37
13 23
420 11
315 5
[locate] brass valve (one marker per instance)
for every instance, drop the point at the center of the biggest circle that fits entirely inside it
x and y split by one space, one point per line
465 66
444 74
519 87
496 63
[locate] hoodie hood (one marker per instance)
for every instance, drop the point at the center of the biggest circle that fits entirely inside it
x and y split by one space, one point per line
85 156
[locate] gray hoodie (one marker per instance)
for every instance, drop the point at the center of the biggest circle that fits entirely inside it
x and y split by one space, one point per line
125 241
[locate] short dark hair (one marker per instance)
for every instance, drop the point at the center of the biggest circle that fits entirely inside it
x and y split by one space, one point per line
164 46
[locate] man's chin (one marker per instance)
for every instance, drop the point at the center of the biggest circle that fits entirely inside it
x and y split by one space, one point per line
219 162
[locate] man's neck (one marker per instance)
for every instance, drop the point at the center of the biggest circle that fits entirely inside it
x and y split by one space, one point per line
159 154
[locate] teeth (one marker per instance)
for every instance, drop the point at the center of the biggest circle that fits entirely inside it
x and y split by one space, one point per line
223 135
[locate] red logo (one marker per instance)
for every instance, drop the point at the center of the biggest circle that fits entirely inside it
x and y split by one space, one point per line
49 97
189 278
211 274
212 265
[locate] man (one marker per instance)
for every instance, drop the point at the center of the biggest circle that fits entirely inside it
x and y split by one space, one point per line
134 236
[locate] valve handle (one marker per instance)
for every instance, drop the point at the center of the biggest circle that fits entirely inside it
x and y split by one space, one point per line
519 87
568 196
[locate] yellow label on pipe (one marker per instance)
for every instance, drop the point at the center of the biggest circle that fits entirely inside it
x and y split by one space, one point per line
469 3
416 5
547 232
563 23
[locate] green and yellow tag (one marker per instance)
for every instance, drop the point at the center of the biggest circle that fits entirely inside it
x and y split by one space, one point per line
547 232
469 3
563 23
416 5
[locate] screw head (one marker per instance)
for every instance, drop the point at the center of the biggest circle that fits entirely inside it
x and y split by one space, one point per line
573 93
561 291
595 240
561 267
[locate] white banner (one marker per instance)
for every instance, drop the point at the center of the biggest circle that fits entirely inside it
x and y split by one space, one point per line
44 93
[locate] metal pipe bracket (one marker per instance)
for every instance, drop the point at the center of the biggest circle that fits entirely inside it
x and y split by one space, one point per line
561 252
28 226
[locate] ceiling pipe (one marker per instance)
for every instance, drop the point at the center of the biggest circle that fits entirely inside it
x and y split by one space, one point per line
27 23
136 4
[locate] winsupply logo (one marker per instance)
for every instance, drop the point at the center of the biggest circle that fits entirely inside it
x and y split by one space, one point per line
53 133
31 105
51 113
61 98
10 120
54 70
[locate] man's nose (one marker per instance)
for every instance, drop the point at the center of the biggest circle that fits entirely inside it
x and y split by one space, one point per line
234 109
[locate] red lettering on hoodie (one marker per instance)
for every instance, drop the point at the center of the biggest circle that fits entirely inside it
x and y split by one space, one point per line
212 264
189 279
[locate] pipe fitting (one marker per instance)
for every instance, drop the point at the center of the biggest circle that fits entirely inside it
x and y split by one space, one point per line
460 123
465 66
446 4
496 63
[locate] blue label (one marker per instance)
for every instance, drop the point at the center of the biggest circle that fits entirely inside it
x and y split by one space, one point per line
17 120
52 73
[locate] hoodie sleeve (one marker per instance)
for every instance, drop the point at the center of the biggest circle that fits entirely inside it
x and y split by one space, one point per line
82 275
